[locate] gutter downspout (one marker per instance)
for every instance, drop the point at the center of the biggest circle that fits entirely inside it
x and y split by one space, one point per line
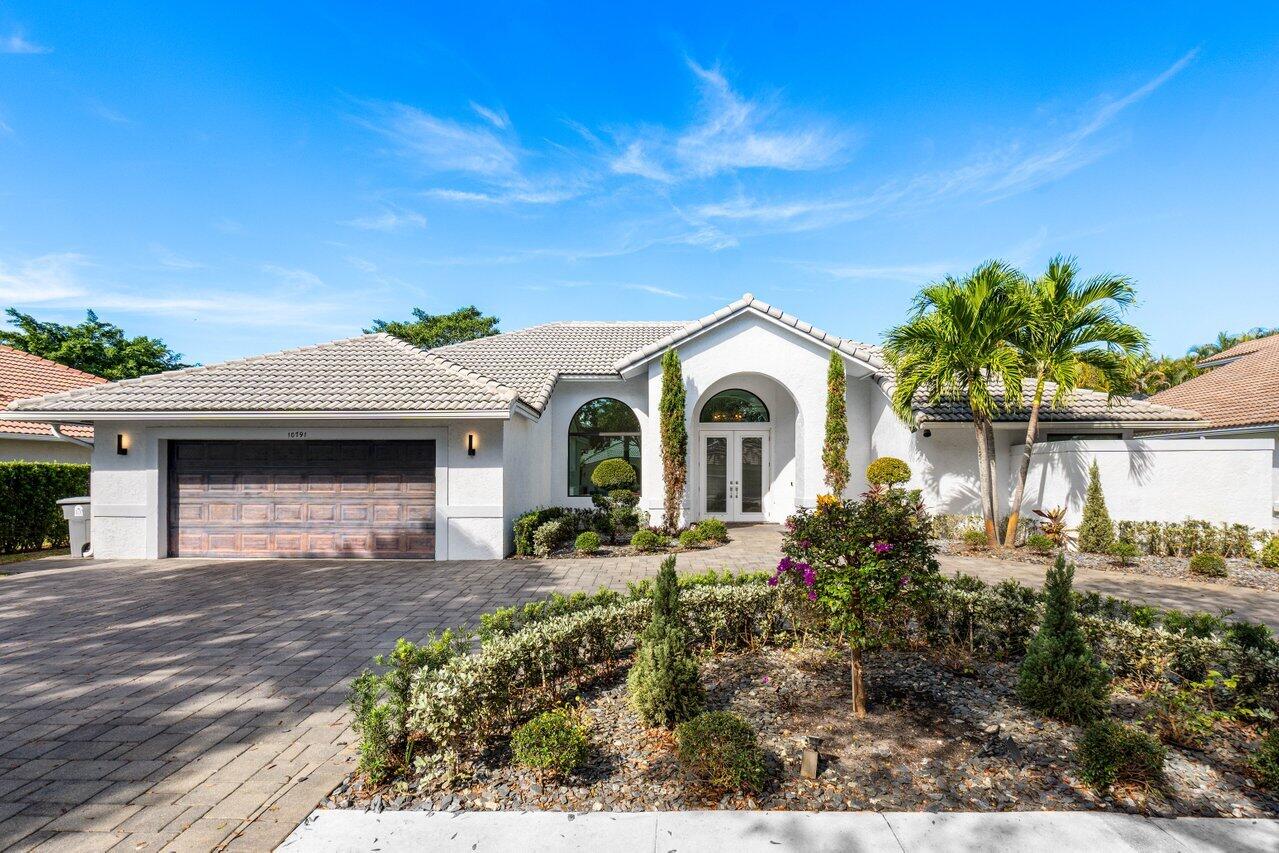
57 433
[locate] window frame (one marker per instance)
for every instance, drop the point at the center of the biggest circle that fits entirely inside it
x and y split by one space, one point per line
701 412
574 465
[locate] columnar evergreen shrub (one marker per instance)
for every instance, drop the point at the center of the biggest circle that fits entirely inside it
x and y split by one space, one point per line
663 683
835 445
1096 531
1265 760
674 435
30 516
721 750
1111 752
1061 676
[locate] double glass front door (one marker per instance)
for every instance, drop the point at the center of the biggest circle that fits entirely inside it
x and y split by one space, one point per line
735 474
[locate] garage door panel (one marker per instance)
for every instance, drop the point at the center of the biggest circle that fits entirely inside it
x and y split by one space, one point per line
302 498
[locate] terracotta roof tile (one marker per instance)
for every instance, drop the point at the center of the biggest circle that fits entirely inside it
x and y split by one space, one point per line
1242 392
25 375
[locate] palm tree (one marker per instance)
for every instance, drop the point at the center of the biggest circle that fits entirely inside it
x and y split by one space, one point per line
957 345
1075 331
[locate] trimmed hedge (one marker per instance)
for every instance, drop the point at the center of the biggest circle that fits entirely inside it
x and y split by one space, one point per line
30 516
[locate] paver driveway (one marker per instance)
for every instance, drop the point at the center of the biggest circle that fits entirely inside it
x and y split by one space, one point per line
183 704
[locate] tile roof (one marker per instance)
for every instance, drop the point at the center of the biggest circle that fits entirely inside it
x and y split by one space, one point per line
1084 406
25 375
376 373
1241 392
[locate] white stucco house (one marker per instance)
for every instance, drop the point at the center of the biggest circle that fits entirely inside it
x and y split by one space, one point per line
371 447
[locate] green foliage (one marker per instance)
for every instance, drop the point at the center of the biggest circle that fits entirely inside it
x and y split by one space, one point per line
646 540
1265 760
1110 752
721 751
507 620
1061 676
1037 542
587 542
1208 565
1096 531
527 524
1270 553
887 471
1185 713
92 346
613 474
976 540
437 330
674 438
551 535
553 742
712 529
1190 537
1124 552
30 516
690 538
835 444
663 683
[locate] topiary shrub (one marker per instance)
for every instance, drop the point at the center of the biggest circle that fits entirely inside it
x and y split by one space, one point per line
887 471
1208 565
1265 760
1096 530
1111 752
1123 552
554 742
647 540
612 474
976 540
1270 553
721 751
713 530
690 538
1036 542
663 683
1061 676
587 543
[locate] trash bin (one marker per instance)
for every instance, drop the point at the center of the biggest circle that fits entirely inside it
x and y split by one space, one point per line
76 512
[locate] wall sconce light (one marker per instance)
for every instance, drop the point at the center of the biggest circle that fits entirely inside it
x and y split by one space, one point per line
928 433
122 444
470 444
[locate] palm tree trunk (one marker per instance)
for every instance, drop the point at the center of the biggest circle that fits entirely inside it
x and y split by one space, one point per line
1019 491
984 479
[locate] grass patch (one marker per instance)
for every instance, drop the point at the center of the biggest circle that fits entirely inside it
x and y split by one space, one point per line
22 557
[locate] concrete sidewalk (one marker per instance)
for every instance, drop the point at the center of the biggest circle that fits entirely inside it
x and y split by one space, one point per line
747 832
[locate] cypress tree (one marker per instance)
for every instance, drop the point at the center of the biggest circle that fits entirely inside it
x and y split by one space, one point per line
1096 531
1061 676
664 683
835 447
674 434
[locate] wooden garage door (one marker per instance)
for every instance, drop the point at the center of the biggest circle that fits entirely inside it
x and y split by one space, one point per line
302 499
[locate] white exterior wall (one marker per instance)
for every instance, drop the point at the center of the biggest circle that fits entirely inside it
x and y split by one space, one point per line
38 449
527 471
1166 479
130 512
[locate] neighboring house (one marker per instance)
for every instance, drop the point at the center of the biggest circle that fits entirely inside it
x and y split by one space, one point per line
372 447
1237 396
25 375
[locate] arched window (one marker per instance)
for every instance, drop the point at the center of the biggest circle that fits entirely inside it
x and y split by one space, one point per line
603 428
734 406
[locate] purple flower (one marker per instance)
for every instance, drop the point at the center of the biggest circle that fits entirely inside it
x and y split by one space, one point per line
805 544
883 547
785 565
810 577
766 680
812 595
772 581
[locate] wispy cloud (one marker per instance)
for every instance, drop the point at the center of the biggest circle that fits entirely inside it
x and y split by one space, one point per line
108 114
166 257
655 291
907 273
16 42
293 275
438 144
42 279
390 219
498 117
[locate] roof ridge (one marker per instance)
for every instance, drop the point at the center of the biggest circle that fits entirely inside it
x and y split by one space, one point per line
473 376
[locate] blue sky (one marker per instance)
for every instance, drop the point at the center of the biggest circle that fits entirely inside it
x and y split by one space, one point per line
239 179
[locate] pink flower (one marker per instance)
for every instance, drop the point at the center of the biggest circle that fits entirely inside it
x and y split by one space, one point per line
766 680
772 581
812 595
883 547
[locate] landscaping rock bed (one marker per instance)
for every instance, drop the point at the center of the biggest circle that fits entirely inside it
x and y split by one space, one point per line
935 739
622 549
1244 573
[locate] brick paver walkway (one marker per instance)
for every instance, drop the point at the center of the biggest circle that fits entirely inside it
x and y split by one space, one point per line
192 704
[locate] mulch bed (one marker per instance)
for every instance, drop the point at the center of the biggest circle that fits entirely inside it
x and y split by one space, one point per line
622 549
1244 573
935 739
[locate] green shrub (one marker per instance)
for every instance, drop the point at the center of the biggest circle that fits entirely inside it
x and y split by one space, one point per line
528 523
30 516
1096 531
553 742
1185 713
1061 676
1111 752
1270 553
1208 565
646 540
613 474
550 536
887 471
1037 542
1190 537
975 539
713 530
1265 760
690 538
721 750
587 543
1124 552
663 683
